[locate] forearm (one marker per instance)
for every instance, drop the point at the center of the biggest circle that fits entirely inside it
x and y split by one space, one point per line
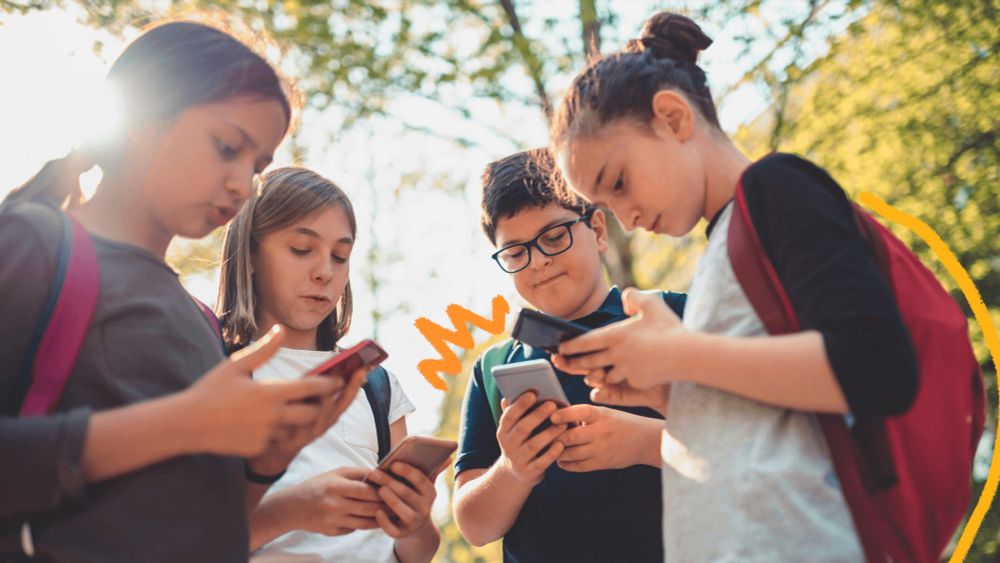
488 505
272 518
790 371
420 546
129 438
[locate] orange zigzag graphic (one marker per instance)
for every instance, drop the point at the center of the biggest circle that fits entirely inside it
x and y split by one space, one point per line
437 336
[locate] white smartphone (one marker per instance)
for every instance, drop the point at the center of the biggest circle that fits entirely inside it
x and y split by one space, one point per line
514 380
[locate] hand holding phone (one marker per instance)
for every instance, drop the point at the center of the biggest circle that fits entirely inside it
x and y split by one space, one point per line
422 452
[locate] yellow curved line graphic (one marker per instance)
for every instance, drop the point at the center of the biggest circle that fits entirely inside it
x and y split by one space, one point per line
438 337
982 315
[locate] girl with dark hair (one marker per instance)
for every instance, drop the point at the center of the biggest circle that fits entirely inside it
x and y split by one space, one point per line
146 453
747 473
287 260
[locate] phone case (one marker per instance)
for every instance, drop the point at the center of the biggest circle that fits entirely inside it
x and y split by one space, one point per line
539 330
364 353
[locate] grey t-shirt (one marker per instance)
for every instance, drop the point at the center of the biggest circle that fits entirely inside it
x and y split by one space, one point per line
146 339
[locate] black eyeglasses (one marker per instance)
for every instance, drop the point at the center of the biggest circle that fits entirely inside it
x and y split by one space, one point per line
550 242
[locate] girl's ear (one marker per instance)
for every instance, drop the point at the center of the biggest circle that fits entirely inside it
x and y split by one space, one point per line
599 222
673 115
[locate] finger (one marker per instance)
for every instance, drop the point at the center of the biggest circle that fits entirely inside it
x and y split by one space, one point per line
577 466
299 414
357 523
397 505
326 418
503 403
589 362
544 438
542 462
562 364
636 302
359 490
576 453
595 377
384 522
531 421
590 342
614 376
579 435
575 413
362 509
417 479
611 395
258 353
513 414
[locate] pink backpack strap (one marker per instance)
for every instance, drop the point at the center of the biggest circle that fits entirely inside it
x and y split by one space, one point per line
65 319
214 321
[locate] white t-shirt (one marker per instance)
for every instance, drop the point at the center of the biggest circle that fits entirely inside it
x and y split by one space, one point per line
351 442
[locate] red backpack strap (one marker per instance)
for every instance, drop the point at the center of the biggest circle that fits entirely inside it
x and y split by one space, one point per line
213 321
65 319
760 282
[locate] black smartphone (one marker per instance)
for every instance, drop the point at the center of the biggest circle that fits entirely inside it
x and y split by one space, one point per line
538 330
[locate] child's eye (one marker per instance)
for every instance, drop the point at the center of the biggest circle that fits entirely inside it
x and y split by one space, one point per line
227 151
299 251
553 239
515 254
339 259
619 183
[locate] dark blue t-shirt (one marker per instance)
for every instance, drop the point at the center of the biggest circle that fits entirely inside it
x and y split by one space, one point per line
600 516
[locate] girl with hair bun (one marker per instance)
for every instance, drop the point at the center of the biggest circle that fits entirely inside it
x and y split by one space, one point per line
145 453
747 473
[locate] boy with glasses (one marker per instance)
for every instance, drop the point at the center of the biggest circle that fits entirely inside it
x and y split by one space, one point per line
588 492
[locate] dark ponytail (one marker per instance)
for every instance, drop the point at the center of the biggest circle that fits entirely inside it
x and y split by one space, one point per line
171 67
622 85
57 183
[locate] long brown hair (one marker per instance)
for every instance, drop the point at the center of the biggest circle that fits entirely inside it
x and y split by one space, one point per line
286 196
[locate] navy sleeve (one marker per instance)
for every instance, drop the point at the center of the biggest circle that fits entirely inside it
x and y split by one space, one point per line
676 302
807 228
477 440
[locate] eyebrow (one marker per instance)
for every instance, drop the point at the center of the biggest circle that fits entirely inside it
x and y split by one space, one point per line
313 234
540 231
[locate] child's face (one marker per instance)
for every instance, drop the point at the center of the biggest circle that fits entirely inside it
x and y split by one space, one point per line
300 273
650 178
201 167
567 285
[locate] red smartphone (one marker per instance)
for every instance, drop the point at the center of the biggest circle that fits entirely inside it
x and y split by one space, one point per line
366 353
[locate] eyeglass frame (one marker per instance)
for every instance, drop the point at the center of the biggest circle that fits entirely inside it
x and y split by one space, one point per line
585 219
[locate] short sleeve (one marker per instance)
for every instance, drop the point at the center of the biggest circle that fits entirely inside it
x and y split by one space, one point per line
477 440
807 227
399 403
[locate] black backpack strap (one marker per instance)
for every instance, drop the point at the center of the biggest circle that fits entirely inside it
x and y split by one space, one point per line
379 395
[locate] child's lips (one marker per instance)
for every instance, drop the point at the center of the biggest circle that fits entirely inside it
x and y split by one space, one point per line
548 281
222 215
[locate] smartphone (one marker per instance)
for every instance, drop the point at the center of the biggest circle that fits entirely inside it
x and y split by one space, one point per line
514 380
539 330
366 353
425 453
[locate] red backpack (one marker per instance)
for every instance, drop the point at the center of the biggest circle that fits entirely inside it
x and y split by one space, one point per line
905 478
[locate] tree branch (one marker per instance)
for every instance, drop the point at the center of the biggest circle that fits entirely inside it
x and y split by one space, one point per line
531 61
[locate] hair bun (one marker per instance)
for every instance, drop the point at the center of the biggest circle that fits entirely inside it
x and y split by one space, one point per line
671 36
